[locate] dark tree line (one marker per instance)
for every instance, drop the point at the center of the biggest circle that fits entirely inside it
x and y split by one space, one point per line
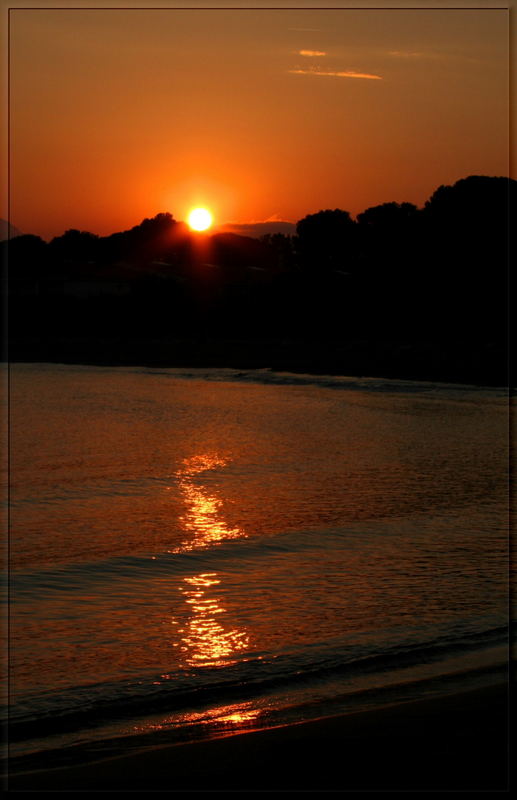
397 273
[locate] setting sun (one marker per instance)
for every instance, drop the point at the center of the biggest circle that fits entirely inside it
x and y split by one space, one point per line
200 219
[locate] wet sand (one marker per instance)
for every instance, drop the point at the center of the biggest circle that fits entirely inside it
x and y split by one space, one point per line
450 743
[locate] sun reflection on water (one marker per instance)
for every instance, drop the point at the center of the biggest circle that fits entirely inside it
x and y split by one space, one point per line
236 715
205 642
203 516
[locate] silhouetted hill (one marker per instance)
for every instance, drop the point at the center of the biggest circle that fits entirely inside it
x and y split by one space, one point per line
397 292
233 250
258 229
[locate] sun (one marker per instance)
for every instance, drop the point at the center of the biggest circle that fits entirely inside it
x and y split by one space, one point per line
200 219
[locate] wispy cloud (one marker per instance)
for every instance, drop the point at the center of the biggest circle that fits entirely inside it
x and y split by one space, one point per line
443 54
407 54
311 53
425 54
336 74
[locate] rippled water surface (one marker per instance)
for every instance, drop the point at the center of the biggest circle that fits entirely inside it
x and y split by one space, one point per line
214 549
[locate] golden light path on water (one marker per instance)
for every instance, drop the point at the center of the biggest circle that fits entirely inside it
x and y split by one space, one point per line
203 640
227 717
203 519
206 642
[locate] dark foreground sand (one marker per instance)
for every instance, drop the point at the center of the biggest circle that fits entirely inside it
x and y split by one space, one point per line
446 744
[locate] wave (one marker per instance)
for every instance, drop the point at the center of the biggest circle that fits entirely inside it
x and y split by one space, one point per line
90 706
269 376
232 554
351 383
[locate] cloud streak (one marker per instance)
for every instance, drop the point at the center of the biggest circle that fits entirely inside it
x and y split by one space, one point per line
336 74
311 53
429 54
406 54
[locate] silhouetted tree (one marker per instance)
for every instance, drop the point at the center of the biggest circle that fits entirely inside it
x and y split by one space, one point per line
26 252
434 279
465 243
388 217
472 217
387 236
388 255
144 242
74 246
325 241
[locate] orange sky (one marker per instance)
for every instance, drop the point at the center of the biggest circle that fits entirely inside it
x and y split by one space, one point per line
117 115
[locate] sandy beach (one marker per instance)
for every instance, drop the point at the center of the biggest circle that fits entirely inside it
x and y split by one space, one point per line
452 743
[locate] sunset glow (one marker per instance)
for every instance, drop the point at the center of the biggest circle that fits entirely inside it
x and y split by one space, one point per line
258 300
400 102
200 219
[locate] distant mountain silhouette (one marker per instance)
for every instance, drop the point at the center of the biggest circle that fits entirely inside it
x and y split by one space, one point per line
7 230
257 229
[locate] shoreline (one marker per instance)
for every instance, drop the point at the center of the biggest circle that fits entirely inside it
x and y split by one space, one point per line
478 364
453 742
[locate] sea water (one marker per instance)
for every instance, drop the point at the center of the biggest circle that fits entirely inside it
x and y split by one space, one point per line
199 552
